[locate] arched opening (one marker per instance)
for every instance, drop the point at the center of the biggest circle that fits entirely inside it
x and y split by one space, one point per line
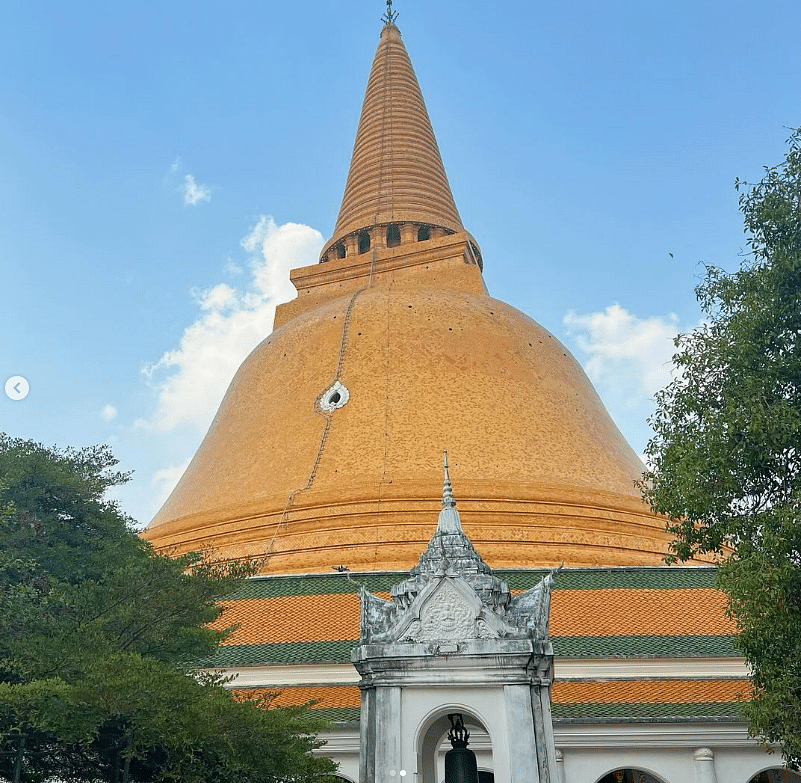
364 241
629 775
393 235
775 775
340 250
477 256
423 233
433 744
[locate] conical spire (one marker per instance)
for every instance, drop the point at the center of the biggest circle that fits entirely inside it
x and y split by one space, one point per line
396 174
448 517
449 545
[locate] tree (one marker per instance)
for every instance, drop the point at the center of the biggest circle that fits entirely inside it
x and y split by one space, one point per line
726 455
99 636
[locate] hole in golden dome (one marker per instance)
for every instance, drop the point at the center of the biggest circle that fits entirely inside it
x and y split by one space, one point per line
335 396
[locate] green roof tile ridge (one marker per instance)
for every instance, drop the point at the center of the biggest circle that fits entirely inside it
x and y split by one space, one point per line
234 655
338 651
314 584
339 714
621 578
695 710
593 712
679 646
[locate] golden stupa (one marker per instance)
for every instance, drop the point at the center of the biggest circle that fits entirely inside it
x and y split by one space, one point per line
326 449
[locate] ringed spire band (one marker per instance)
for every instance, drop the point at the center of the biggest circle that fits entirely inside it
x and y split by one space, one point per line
397 190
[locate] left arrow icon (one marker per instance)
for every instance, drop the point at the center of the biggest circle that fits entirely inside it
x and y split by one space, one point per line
17 388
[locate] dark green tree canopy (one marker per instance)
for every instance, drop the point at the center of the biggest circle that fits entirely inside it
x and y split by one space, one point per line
726 455
99 636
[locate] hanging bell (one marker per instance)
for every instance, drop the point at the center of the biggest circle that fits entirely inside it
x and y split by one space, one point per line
460 761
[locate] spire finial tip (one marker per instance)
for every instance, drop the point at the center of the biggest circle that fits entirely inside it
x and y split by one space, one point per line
390 16
447 490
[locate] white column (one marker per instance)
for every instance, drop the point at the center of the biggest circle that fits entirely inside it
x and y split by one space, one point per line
560 766
543 725
389 725
521 739
367 737
704 760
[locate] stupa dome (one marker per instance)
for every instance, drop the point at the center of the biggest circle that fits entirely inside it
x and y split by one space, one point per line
423 361
325 450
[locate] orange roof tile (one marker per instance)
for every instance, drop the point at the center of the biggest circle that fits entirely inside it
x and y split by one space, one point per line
639 612
327 697
291 619
564 692
650 691
609 612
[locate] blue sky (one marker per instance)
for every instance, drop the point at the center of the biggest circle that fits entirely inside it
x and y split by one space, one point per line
163 164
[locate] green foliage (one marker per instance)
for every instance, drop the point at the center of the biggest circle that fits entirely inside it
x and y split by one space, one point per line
726 454
98 635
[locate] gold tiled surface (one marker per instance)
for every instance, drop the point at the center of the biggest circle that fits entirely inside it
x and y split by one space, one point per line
396 171
541 472
420 365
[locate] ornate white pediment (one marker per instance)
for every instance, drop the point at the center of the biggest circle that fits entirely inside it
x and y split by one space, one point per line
446 615
451 595
447 610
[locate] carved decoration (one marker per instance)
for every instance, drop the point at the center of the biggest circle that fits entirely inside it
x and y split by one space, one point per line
376 615
484 631
446 615
452 595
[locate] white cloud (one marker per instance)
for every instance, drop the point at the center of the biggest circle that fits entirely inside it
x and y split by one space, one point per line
628 359
232 268
626 354
109 413
193 192
169 178
191 378
164 480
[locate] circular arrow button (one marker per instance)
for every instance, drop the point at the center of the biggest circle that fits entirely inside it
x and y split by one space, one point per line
17 388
